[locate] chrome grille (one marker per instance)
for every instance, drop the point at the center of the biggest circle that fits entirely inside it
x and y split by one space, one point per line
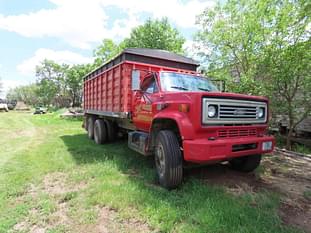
231 111
233 133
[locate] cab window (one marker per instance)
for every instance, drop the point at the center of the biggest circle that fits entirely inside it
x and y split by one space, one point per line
150 86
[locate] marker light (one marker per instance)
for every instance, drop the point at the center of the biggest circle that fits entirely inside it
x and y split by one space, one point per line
184 107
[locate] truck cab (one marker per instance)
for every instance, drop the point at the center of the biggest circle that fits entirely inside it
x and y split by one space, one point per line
178 116
205 124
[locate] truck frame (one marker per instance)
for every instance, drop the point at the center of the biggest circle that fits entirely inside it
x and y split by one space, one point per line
171 112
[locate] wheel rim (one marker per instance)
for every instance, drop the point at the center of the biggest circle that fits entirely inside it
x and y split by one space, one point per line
160 160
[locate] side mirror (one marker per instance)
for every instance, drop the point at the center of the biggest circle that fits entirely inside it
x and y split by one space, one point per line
136 80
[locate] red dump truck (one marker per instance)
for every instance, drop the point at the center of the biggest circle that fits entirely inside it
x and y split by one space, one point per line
170 111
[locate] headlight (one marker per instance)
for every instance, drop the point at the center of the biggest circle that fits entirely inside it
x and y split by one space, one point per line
261 112
211 111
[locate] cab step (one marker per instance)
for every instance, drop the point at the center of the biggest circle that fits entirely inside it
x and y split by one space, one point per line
138 141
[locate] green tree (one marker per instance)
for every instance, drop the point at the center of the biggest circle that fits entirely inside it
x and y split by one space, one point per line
265 46
287 66
157 34
74 82
233 36
50 79
27 94
106 50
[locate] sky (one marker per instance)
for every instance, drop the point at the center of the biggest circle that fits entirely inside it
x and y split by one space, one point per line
67 31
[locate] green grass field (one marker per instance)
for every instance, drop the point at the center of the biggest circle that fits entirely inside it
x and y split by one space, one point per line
54 179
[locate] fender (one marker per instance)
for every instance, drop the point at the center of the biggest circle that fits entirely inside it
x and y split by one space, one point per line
183 122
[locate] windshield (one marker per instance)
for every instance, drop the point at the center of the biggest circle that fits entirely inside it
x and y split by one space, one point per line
185 82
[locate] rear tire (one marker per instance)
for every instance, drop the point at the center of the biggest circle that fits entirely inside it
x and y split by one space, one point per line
90 127
111 131
168 159
85 123
246 163
100 132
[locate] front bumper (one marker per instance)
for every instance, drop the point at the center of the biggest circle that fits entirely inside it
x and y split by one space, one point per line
204 150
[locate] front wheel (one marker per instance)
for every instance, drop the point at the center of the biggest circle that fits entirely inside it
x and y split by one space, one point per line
246 163
168 159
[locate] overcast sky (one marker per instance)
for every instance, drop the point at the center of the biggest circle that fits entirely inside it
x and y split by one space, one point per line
67 31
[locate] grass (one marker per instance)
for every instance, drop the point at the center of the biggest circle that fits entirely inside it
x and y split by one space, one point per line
34 146
281 142
307 194
302 149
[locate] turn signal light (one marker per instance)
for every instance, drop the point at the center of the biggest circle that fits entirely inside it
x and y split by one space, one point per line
184 107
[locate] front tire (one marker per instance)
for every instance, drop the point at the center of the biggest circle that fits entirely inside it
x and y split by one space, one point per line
246 164
168 159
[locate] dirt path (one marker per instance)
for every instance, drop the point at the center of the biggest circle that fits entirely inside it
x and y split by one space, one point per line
290 176
57 187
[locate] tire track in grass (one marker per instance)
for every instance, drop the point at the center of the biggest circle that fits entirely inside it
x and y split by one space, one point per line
13 141
20 138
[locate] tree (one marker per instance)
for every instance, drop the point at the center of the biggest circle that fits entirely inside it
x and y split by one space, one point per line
107 50
157 34
57 85
61 85
74 82
265 46
286 62
50 79
27 94
232 34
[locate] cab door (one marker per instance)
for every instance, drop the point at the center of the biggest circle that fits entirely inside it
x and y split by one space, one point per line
143 103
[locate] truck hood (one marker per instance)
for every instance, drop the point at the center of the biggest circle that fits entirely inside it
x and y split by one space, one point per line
230 95
225 95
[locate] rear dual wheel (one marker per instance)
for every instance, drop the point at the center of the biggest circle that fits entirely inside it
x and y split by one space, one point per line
104 131
90 127
111 130
100 132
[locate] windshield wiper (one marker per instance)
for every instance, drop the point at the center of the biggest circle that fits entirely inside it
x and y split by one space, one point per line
203 89
180 88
